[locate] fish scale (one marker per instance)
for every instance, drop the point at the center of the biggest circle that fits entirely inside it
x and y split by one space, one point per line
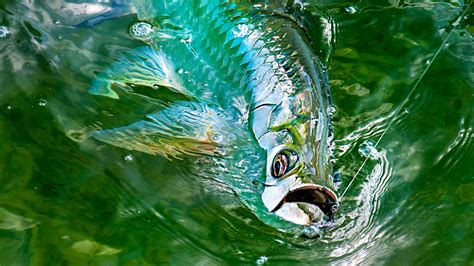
255 90
254 66
209 51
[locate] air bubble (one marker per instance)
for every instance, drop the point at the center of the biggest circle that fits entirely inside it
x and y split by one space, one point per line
128 158
180 71
262 260
42 102
350 9
56 22
4 32
141 30
331 110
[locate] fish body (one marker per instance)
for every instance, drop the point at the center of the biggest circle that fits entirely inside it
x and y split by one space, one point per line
258 94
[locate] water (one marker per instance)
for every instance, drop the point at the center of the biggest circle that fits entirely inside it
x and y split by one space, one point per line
67 199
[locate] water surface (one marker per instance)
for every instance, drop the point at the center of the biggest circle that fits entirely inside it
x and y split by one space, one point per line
401 75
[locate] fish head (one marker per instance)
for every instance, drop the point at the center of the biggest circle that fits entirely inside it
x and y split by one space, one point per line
293 128
297 189
294 191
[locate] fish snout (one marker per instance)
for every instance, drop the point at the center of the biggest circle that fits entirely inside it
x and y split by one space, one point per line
301 200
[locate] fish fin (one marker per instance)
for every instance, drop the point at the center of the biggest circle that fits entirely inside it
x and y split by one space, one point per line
184 128
142 66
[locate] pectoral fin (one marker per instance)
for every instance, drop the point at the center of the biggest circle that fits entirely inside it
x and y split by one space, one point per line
185 128
143 66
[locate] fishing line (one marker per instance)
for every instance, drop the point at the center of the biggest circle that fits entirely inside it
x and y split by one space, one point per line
406 99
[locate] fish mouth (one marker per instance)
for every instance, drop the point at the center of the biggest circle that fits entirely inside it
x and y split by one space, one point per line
320 196
304 204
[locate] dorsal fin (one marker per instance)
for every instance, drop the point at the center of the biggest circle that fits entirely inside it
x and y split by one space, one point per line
142 66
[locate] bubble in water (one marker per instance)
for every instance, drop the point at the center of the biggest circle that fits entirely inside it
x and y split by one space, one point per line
56 22
331 110
367 149
42 102
141 30
262 260
128 158
180 71
4 32
350 9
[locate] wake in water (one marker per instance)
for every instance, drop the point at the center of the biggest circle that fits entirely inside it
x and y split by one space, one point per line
412 90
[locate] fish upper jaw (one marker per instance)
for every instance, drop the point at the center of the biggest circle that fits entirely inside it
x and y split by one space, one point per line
298 202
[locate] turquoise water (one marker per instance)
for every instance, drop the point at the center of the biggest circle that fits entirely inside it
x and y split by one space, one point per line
65 199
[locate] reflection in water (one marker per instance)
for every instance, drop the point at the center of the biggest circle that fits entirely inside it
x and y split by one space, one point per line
63 191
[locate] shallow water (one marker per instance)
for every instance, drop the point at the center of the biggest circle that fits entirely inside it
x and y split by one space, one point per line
67 199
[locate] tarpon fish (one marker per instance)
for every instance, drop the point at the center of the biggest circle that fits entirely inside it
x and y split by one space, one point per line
253 105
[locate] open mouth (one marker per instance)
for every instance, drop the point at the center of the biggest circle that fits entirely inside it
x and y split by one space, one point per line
308 197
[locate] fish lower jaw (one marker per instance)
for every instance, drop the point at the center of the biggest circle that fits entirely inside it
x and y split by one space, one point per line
300 213
307 204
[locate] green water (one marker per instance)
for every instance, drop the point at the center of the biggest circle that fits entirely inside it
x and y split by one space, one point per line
65 199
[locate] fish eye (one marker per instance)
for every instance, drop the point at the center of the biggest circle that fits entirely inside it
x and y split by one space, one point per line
283 162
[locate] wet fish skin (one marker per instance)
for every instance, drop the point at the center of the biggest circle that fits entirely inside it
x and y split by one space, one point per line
258 68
